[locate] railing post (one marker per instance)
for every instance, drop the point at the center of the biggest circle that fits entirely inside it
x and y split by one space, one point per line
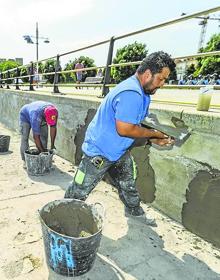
31 87
105 89
1 76
56 76
8 77
17 79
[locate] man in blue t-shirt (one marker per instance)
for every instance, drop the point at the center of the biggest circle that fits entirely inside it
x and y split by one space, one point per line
113 130
37 116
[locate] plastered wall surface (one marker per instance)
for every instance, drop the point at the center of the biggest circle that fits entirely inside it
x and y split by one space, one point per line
183 182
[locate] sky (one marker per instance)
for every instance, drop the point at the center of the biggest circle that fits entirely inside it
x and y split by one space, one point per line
72 24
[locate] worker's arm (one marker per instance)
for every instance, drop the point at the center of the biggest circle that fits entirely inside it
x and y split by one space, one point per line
38 142
135 131
53 133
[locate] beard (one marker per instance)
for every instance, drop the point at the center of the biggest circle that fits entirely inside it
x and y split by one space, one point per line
148 88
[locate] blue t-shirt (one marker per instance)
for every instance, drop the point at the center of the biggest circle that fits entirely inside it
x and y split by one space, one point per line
128 103
33 113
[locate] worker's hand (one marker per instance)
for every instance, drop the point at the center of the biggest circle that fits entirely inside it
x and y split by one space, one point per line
40 150
163 142
159 134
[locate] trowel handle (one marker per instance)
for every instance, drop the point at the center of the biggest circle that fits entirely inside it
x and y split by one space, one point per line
100 208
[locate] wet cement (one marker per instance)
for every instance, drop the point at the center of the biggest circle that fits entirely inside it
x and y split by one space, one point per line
176 129
145 173
71 236
201 212
80 135
34 152
70 219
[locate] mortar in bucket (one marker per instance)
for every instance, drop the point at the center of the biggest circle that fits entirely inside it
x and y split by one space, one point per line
4 143
38 163
72 233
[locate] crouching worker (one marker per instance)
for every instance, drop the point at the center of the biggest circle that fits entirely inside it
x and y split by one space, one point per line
37 116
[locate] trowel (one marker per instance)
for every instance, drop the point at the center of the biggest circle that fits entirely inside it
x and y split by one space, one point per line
177 130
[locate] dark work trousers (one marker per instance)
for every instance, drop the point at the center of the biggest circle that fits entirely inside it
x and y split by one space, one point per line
25 132
92 169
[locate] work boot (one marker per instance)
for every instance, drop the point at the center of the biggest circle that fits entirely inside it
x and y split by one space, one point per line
70 191
139 214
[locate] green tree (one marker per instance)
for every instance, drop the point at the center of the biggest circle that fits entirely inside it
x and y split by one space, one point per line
190 70
49 66
7 65
24 72
129 53
213 44
69 77
211 64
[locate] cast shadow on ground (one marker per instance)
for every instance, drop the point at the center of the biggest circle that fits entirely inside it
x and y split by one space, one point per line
140 255
102 270
55 177
6 153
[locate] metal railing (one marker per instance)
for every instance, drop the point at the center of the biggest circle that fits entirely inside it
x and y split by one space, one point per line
6 78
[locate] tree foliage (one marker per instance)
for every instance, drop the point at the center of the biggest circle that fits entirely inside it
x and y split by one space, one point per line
129 53
211 64
24 72
213 44
191 69
69 77
7 65
49 66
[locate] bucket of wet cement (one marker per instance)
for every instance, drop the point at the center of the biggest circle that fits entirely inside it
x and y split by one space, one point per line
72 233
4 143
38 163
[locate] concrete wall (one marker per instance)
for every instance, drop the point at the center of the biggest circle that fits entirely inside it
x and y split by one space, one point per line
183 182
73 113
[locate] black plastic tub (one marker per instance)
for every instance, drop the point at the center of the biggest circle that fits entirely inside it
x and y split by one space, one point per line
38 163
4 143
68 251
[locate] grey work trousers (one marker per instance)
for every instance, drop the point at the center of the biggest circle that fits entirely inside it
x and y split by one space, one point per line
25 132
92 169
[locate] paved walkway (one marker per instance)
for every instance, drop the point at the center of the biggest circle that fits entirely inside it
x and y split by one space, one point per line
183 96
129 249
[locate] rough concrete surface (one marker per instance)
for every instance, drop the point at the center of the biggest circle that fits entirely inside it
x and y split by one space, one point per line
128 250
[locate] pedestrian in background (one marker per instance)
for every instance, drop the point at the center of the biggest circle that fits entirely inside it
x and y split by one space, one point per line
79 74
